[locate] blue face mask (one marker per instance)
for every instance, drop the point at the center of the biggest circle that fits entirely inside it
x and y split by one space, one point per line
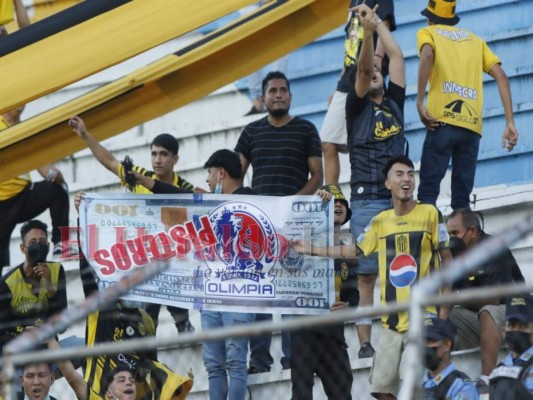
218 187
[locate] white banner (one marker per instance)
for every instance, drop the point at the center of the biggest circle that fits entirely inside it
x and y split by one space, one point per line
227 252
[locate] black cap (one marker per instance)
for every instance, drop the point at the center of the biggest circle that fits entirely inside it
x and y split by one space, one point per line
519 307
227 159
439 329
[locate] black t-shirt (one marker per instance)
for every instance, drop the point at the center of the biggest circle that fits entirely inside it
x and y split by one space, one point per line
279 155
375 134
500 271
385 12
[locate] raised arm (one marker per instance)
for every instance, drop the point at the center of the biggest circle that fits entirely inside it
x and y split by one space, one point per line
510 134
100 152
365 65
74 379
393 50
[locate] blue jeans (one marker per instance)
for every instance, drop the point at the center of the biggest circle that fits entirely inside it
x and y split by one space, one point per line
461 146
362 213
226 358
260 356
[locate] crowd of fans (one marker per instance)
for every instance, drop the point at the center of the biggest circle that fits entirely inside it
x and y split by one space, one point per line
391 230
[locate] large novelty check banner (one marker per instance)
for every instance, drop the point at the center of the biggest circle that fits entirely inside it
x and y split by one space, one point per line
226 252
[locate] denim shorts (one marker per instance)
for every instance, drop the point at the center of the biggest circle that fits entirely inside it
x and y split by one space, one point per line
362 213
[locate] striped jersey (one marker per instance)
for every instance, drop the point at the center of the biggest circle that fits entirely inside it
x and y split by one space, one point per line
407 248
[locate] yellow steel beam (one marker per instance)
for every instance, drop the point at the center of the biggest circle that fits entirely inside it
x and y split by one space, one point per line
178 79
98 43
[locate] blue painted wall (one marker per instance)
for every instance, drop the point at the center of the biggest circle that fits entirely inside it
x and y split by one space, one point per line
507 26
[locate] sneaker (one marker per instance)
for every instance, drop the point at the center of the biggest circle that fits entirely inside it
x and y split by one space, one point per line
58 250
185 326
366 351
61 251
256 370
482 387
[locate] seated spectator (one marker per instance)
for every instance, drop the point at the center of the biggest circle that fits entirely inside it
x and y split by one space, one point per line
36 380
443 380
480 322
23 20
21 199
513 378
164 150
323 351
35 289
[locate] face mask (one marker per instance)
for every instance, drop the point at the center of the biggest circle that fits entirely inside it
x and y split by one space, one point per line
37 253
431 359
518 341
218 186
457 246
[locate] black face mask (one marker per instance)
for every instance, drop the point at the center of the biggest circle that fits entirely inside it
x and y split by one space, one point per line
457 246
37 253
431 359
518 341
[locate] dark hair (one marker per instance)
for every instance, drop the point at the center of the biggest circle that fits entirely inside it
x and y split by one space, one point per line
274 75
394 160
469 218
166 141
110 377
227 159
23 369
32 224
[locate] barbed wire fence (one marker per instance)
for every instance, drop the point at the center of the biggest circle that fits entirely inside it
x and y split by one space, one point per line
18 352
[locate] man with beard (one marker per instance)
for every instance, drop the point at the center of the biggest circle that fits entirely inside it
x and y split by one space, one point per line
513 378
443 380
286 157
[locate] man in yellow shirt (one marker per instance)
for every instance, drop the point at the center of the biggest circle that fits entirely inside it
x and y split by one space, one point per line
453 60
164 149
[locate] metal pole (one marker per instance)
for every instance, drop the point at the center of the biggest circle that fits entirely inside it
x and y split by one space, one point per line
482 253
60 322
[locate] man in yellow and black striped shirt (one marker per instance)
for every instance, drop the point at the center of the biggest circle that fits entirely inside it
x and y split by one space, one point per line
164 149
411 241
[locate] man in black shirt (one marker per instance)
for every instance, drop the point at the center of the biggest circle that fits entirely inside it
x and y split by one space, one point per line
480 323
333 132
286 157
374 121
284 150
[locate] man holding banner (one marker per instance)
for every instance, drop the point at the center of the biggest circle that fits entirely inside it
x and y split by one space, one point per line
221 358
